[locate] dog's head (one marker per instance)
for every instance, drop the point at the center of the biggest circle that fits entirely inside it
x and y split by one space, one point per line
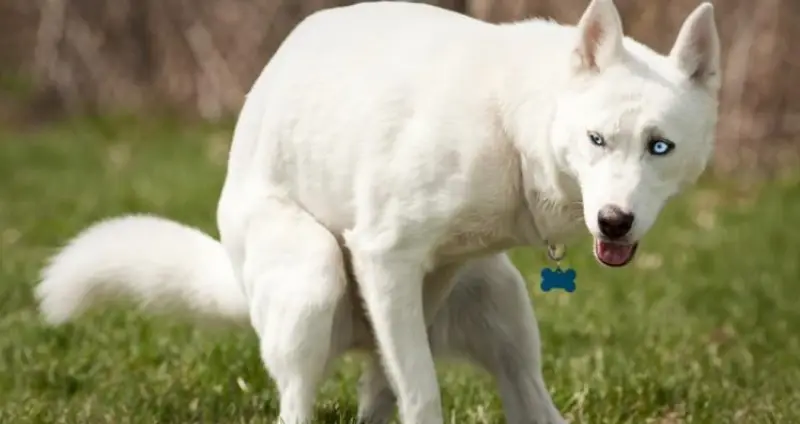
634 126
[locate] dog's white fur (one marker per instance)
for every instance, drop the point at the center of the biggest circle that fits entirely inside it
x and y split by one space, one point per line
390 153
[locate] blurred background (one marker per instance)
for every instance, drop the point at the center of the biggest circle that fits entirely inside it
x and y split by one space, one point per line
197 58
111 107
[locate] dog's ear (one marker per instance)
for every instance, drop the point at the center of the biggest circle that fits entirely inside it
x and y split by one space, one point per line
696 51
599 36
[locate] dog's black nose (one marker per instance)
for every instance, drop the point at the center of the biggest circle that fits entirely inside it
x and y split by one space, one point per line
614 223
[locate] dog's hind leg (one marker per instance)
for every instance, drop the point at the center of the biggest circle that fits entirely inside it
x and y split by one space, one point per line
294 270
489 319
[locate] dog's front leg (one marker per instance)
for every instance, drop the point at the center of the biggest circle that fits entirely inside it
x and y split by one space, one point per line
376 401
489 319
391 284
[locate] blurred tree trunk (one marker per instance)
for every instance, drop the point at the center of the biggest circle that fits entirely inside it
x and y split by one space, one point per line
96 55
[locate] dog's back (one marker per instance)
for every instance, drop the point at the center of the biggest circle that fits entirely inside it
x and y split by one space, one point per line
349 82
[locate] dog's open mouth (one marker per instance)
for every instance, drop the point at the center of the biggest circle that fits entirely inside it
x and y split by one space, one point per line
614 254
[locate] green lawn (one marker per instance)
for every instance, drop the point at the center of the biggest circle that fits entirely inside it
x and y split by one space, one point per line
703 327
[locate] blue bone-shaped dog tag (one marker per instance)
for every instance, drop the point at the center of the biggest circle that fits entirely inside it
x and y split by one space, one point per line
558 279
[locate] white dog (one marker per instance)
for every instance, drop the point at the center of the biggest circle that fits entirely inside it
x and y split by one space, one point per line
385 158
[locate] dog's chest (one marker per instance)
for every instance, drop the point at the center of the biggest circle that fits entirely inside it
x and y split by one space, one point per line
500 221
475 234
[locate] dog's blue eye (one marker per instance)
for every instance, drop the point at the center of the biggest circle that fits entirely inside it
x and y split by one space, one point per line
596 139
660 147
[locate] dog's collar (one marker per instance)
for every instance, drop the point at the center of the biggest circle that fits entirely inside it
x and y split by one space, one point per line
556 252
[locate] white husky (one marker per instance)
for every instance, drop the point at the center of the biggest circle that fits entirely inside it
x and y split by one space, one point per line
383 161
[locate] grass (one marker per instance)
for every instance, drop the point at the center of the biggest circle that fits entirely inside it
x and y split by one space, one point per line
704 327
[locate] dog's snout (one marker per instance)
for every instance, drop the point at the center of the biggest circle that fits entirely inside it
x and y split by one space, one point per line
614 223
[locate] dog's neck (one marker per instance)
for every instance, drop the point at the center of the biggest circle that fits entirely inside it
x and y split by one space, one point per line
547 212
549 198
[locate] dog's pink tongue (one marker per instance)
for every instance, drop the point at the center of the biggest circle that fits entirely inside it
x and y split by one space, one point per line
612 253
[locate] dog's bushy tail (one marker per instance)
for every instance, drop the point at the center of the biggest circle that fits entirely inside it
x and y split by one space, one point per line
161 265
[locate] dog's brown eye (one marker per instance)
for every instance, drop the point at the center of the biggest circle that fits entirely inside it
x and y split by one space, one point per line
596 139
